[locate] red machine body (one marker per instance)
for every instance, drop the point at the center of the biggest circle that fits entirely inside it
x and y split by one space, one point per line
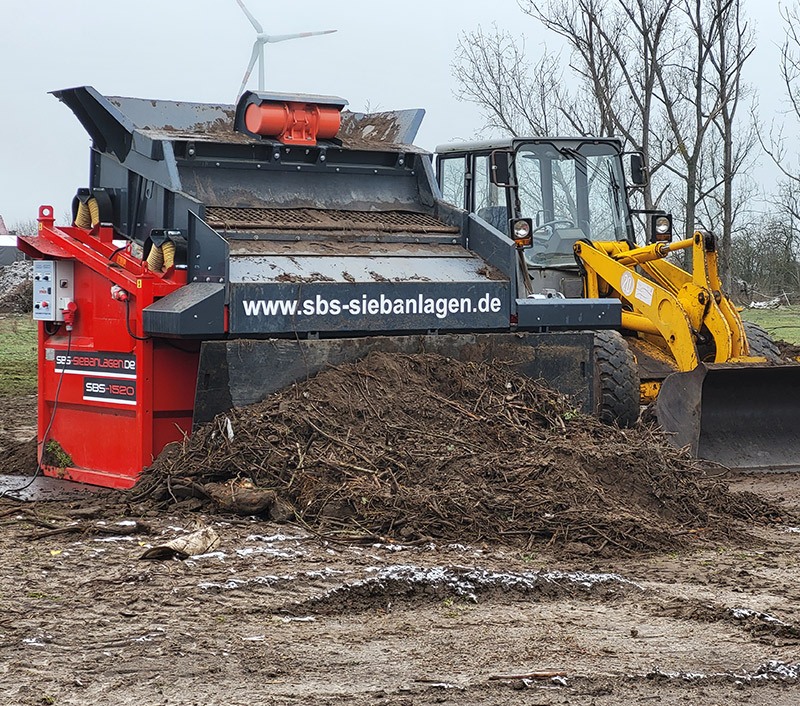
123 396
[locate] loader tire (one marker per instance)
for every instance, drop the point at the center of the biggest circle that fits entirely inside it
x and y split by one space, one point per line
616 380
761 343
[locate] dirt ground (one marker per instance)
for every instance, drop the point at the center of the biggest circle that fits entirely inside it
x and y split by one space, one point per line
279 614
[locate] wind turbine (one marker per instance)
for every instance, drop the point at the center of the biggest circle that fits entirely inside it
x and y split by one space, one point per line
261 40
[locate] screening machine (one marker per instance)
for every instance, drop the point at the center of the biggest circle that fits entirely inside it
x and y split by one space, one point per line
220 253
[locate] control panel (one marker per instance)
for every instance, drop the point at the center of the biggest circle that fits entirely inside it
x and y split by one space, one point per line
53 289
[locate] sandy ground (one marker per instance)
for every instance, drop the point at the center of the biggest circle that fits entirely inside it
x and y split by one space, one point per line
276 615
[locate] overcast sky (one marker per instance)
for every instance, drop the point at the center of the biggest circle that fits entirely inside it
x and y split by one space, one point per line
385 55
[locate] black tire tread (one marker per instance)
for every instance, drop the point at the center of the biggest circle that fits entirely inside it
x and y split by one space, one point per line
761 343
616 380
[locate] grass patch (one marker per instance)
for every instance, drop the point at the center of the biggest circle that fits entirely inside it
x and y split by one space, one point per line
17 355
56 456
783 323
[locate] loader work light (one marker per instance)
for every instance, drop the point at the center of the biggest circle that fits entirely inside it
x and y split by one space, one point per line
661 228
521 229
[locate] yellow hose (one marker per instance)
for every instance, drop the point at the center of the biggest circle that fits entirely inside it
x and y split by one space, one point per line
155 260
168 249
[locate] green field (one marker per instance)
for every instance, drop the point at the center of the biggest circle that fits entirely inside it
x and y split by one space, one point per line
781 324
17 355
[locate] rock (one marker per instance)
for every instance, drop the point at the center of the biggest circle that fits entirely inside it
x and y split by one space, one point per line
241 498
281 511
337 510
578 549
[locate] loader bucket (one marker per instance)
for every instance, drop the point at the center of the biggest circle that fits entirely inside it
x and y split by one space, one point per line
744 416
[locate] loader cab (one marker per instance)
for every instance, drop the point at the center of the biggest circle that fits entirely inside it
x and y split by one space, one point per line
570 189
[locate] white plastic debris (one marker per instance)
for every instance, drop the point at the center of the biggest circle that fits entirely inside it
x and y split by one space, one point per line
195 543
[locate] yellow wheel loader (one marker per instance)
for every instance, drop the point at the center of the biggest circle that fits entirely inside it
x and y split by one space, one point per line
717 383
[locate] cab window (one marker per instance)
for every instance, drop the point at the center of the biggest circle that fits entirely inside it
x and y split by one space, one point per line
489 200
452 175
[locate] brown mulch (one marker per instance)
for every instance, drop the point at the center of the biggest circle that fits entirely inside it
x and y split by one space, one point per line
790 351
421 447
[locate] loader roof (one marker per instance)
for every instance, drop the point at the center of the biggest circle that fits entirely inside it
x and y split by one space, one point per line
506 143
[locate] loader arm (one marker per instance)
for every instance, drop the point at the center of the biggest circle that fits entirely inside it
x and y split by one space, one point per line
705 276
683 309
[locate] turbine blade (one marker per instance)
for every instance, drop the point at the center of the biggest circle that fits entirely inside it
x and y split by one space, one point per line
253 58
272 38
253 20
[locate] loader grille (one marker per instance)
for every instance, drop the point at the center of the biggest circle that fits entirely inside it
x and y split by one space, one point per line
310 219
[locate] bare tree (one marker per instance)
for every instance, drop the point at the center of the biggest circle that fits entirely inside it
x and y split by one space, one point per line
701 95
774 144
774 270
617 49
25 227
782 225
665 75
515 97
734 43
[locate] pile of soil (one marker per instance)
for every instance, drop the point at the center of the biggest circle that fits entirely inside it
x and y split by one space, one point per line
423 447
16 288
18 300
18 457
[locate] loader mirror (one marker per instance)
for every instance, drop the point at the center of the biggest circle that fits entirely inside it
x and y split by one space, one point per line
500 168
638 171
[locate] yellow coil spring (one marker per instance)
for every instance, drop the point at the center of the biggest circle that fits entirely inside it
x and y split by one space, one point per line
83 218
168 249
94 211
155 260
88 214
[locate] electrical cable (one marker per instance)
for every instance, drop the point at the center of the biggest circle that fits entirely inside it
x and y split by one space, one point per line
9 493
128 322
119 249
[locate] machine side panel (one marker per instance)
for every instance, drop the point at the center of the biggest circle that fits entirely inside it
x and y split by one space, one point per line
121 399
373 307
232 373
208 253
194 310
301 186
569 313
